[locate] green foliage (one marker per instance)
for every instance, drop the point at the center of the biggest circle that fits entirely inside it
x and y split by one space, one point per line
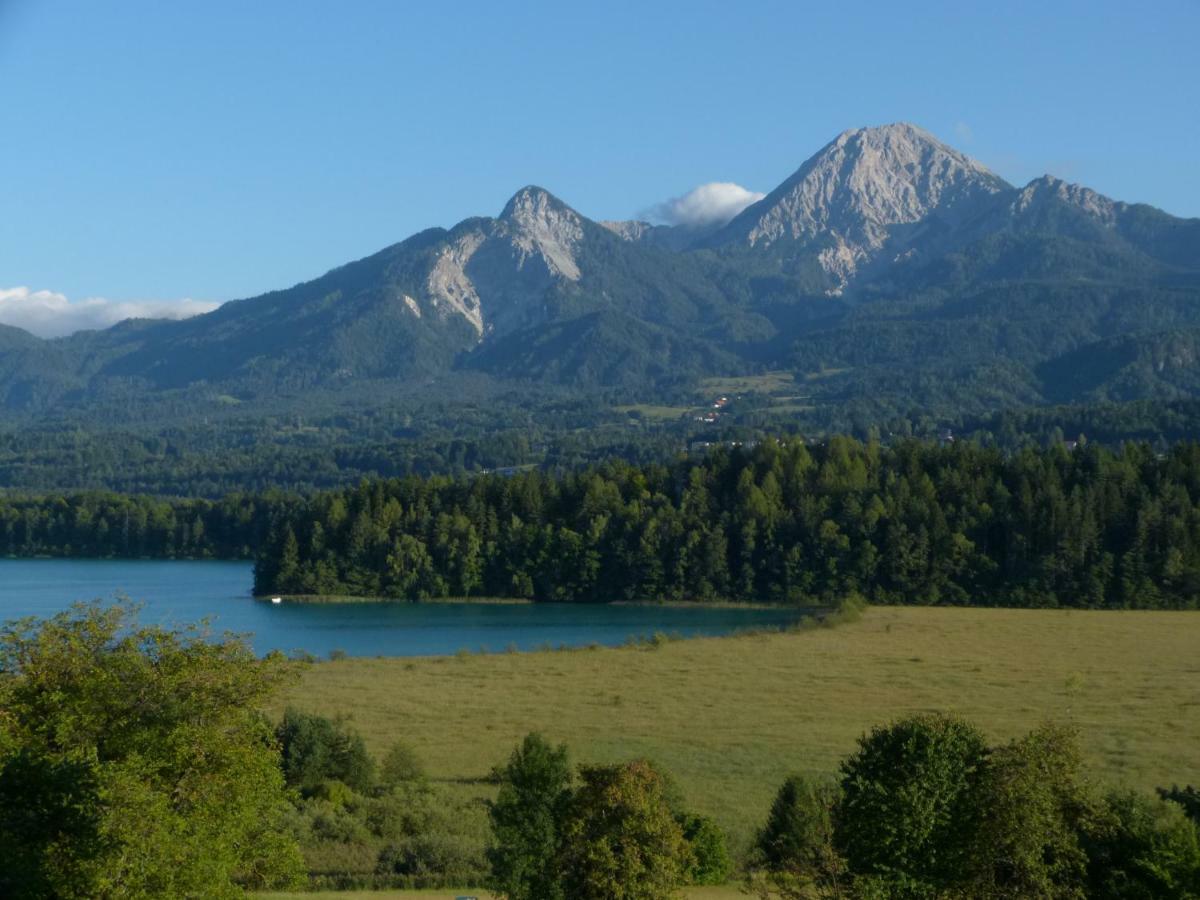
133 762
111 525
1032 811
49 826
1142 848
927 811
710 860
620 840
400 765
398 834
316 749
781 522
528 818
1187 797
797 840
620 833
907 808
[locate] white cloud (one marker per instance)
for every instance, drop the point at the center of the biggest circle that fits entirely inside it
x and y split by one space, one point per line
963 132
714 203
49 314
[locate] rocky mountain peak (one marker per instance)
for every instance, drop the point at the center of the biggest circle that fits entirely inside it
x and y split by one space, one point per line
543 227
531 201
867 189
1049 189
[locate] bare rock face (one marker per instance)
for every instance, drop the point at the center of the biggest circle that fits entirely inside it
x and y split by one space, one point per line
544 229
1049 189
865 196
632 230
493 271
451 291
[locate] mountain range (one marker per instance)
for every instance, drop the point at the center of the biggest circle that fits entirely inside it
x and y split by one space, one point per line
892 267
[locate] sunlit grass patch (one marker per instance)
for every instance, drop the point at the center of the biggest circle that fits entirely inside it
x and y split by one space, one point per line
729 718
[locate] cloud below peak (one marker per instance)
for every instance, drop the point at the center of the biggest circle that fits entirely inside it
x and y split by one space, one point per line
714 203
49 314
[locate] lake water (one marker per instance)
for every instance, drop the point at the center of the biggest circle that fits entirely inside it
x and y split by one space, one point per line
176 593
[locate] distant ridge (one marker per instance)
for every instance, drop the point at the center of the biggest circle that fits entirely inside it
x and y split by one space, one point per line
888 254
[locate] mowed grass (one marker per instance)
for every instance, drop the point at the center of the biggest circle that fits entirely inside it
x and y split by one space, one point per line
729 718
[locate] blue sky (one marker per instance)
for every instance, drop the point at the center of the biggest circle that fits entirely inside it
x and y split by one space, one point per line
213 150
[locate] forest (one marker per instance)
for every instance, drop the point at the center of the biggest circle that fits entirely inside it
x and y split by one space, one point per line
775 521
782 521
210 451
105 525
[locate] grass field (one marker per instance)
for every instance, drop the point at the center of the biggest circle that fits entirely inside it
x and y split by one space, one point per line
731 717
654 413
767 383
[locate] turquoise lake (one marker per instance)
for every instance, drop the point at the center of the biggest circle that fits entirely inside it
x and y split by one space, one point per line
177 593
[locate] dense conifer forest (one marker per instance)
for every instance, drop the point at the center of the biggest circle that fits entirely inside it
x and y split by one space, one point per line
779 522
105 525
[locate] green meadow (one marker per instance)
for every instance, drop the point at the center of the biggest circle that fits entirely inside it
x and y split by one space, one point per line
729 718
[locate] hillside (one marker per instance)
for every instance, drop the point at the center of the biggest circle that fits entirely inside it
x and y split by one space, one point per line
927 281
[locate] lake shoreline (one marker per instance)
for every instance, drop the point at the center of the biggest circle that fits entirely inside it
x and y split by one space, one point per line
176 592
335 599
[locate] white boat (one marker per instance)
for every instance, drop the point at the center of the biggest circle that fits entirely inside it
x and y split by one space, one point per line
276 599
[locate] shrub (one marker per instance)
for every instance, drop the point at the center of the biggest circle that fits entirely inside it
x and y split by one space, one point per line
527 820
710 862
1187 797
401 764
317 749
1032 807
620 839
1144 847
794 856
444 854
907 813
134 760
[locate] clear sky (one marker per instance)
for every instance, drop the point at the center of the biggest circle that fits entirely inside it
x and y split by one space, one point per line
164 149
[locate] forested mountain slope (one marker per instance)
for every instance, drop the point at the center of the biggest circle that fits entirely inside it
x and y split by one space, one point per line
918 277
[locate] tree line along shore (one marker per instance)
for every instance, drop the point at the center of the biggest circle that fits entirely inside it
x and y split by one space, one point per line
780 522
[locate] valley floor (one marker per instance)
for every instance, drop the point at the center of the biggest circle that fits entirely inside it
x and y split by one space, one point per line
729 718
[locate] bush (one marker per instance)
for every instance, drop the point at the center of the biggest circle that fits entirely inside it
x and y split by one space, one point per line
527 821
1188 798
317 749
448 856
401 764
794 856
907 812
799 829
1032 808
710 863
335 823
134 761
1143 847
620 838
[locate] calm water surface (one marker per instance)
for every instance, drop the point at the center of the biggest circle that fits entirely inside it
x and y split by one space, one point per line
176 593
